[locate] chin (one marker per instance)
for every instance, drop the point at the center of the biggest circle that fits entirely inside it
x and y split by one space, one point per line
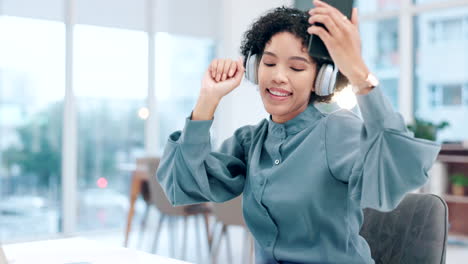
276 109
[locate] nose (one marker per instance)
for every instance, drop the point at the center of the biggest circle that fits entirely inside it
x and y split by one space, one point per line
279 75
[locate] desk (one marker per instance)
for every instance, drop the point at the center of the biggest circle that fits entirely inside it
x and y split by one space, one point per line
78 250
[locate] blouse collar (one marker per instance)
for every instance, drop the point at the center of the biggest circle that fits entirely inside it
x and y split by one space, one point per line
303 120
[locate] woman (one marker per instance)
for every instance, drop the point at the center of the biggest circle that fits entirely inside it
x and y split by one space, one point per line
305 176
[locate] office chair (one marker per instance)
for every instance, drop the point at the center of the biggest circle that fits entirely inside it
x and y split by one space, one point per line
415 232
230 214
156 197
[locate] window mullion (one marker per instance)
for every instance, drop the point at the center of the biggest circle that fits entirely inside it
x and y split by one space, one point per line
69 143
151 124
406 50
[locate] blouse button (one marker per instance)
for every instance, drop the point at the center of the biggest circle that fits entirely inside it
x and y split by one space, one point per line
277 162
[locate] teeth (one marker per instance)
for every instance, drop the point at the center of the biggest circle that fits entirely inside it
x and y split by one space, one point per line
278 93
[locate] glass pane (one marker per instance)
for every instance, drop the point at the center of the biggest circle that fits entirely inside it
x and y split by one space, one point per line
180 64
429 1
381 53
110 81
366 6
441 70
32 59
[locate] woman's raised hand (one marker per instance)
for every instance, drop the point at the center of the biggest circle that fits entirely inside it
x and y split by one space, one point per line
341 39
221 77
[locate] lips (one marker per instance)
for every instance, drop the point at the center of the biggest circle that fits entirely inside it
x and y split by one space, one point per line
278 95
279 92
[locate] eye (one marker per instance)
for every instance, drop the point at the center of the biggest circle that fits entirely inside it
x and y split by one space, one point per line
297 70
269 64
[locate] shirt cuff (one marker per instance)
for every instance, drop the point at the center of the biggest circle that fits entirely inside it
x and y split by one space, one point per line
376 110
196 131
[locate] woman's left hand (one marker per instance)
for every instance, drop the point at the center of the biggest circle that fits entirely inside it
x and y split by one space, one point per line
342 40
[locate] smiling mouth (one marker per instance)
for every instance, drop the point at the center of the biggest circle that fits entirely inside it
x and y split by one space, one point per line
279 94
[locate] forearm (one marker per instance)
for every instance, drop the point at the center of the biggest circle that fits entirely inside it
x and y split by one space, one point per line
205 108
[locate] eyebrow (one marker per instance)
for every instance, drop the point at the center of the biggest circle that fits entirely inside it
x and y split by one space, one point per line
290 58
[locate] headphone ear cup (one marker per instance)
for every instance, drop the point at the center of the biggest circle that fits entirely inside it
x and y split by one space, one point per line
325 80
251 68
331 88
320 82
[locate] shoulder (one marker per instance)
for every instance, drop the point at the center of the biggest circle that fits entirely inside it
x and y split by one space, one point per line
246 133
340 125
342 119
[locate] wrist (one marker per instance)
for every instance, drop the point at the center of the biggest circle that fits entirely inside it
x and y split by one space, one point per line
359 77
205 108
364 83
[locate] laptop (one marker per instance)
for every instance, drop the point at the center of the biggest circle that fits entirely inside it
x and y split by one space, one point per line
3 259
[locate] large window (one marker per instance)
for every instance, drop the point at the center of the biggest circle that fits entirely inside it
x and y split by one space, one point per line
180 64
366 6
91 75
441 70
32 76
432 61
381 53
110 83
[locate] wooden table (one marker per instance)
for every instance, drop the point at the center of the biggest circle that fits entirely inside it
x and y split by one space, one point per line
78 250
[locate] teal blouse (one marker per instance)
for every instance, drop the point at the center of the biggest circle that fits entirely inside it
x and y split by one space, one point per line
304 182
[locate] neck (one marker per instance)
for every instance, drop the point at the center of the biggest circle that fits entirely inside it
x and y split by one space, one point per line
280 119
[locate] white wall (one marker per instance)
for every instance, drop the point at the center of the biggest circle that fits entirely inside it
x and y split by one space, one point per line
44 9
188 17
242 106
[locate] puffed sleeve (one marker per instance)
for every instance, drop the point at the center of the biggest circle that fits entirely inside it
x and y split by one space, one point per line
190 172
378 157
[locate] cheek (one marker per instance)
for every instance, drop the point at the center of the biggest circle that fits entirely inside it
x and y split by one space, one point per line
305 83
263 76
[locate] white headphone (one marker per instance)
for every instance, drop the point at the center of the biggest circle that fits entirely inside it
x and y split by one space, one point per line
324 81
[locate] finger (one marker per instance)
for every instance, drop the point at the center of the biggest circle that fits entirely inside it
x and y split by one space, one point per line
338 18
213 67
326 6
241 65
240 71
355 17
219 70
227 66
327 21
322 33
242 61
232 68
318 3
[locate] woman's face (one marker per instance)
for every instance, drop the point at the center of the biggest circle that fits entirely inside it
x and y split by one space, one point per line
286 77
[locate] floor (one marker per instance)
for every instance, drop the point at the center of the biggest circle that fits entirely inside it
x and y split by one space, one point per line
197 252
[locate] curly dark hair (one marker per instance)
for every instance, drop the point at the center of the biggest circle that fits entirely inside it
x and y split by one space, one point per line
284 19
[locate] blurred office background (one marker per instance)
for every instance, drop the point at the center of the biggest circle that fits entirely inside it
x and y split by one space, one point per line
89 86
